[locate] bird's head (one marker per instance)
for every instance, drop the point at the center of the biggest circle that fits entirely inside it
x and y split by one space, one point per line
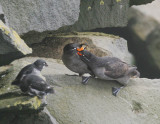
81 48
40 64
73 48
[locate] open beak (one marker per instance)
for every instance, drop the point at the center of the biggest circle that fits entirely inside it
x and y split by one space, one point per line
82 47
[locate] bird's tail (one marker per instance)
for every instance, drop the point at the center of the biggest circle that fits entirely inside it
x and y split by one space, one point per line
15 82
134 72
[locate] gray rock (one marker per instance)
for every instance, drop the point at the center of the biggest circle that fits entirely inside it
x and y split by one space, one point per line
2 16
27 118
144 26
98 43
5 70
39 15
16 107
11 45
74 103
139 2
35 19
100 14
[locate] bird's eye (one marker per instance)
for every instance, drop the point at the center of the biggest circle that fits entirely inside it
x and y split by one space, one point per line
73 49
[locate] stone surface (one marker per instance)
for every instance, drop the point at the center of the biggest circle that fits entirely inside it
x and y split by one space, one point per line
2 16
17 102
40 15
100 14
27 118
11 45
139 2
34 19
144 27
98 43
16 107
5 70
74 103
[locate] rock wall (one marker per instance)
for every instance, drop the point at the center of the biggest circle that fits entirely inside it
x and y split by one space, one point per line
29 18
99 44
40 15
144 27
100 14
11 45
16 107
74 103
139 2
2 16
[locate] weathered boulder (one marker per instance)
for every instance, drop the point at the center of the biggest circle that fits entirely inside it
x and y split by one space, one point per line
100 14
42 117
16 107
98 43
40 15
74 103
5 70
144 27
11 45
139 2
35 19
2 16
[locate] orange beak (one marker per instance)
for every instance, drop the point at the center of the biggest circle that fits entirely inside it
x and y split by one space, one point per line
83 46
80 49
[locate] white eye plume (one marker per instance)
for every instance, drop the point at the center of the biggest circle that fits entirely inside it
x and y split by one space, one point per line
74 49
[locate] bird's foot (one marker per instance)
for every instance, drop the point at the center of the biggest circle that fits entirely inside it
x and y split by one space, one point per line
115 90
71 74
85 80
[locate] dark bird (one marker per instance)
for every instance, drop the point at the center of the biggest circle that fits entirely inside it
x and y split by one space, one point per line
35 86
73 62
109 68
34 68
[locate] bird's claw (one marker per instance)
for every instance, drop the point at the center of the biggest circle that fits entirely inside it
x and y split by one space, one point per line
85 80
115 91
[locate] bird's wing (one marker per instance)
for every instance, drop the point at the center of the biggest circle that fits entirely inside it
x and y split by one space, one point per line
115 68
39 85
26 70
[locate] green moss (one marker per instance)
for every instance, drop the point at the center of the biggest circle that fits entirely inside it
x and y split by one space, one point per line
15 101
137 107
4 28
81 34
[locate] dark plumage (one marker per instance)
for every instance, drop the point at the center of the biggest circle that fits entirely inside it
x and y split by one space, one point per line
35 85
110 68
34 68
72 60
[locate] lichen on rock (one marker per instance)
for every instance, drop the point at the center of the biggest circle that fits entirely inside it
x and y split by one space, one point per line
11 45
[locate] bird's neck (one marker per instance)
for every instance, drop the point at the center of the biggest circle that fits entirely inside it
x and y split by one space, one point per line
38 68
88 57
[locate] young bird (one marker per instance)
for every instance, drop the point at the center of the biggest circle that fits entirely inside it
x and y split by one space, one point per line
34 68
35 86
73 62
109 68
